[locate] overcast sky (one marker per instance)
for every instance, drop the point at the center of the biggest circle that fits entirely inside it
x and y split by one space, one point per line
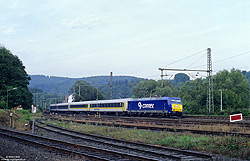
78 38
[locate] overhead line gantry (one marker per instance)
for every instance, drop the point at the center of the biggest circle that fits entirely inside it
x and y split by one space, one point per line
210 100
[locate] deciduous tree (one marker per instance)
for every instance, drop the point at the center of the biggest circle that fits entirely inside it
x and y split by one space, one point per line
86 92
15 80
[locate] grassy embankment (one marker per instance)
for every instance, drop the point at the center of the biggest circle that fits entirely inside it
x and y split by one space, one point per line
22 117
231 146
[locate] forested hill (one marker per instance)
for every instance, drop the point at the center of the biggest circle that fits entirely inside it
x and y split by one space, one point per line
61 85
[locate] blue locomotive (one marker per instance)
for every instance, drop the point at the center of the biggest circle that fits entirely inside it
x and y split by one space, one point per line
155 106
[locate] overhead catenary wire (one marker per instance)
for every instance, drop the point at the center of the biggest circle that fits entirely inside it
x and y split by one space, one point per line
186 57
248 52
197 60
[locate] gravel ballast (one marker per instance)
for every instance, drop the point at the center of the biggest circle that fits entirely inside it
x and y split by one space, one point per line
17 150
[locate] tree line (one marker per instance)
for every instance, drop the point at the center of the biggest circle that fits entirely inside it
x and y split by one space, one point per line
233 85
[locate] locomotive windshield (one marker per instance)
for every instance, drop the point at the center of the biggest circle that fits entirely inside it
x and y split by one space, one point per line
175 101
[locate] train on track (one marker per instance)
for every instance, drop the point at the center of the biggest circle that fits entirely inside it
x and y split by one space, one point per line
155 106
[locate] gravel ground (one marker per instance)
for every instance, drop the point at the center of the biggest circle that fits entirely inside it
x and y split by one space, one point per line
86 143
17 150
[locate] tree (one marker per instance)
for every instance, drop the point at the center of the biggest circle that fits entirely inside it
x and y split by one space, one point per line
150 88
247 75
14 81
194 96
121 88
144 88
234 86
86 92
235 89
180 79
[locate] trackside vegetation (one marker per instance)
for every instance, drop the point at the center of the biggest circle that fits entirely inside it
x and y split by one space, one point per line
14 81
238 147
22 117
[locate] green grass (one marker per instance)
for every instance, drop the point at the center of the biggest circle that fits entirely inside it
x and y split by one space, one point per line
22 117
238 147
4 117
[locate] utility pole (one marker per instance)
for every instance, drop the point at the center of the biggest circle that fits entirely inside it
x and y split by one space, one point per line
162 75
79 91
161 69
97 89
210 98
35 97
111 85
220 99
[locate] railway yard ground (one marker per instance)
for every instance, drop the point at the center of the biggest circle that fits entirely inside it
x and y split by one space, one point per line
124 138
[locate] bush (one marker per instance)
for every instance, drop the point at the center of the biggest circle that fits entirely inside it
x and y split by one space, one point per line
231 111
2 103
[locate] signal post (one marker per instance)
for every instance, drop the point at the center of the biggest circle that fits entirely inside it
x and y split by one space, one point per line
33 123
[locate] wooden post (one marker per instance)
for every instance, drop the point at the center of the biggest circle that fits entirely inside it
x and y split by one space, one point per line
13 118
14 113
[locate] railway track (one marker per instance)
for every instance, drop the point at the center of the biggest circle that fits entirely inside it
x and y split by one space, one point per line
208 120
173 122
183 117
90 152
212 117
153 127
3 159
148 151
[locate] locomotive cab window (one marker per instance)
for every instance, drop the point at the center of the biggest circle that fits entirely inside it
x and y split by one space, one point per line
176 101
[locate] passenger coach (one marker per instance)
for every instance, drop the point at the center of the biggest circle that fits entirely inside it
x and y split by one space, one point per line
158 106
